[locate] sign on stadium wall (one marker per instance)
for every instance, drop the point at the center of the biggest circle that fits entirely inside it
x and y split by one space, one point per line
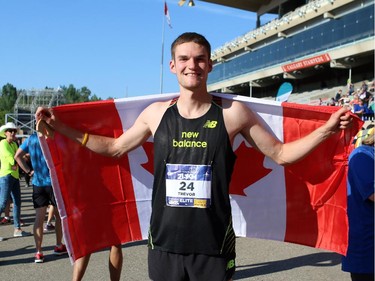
306 63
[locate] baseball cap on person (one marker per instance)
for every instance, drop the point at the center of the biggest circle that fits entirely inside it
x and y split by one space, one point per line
7 126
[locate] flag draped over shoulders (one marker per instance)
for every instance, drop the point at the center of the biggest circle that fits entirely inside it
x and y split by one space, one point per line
106 201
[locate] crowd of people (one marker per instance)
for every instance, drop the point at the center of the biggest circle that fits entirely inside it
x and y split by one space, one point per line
360 101
203 244
28 158
9 178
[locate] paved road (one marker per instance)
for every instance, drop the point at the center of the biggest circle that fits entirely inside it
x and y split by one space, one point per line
258 260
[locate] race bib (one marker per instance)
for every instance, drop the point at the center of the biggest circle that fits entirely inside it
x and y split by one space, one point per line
188 185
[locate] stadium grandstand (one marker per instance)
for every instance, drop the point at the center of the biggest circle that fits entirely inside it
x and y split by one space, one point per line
318 46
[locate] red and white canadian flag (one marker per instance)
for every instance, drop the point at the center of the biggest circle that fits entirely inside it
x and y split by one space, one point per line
105 201
166 13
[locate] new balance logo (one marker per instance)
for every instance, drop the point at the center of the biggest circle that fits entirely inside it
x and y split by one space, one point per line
210 124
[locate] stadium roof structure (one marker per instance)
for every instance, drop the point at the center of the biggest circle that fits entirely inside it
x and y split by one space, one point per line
257 6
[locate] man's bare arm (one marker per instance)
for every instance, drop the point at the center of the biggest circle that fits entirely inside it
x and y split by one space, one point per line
241 119
141 130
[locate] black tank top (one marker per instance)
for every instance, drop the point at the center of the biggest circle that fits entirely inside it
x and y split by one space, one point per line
200 141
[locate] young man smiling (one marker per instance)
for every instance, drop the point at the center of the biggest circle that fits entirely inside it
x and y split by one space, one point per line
192 238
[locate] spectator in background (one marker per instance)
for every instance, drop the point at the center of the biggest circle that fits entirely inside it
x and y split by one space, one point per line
9 176
372 86
48 227
369 112
350 88
338 95
361 94
364 87
354 101
331 102
365 96
359 260
370 109
6 219
359 109
344 100
42 193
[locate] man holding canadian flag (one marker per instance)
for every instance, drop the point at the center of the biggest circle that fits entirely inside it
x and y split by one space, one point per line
104 160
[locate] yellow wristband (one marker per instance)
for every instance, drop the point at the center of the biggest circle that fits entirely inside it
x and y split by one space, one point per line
85 139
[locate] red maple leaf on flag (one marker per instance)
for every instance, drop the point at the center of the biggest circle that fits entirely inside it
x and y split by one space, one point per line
248 168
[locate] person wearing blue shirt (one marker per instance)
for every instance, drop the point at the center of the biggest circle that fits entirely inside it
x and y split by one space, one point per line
359 260
9 177
42 193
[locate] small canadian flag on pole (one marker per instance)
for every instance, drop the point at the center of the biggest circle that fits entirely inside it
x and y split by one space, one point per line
166 13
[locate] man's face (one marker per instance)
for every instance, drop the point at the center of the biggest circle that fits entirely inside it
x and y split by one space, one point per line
191 64
11 134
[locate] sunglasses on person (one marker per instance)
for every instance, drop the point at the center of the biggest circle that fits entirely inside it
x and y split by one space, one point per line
11 130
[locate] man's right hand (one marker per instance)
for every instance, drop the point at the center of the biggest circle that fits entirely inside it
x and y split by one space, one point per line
46 114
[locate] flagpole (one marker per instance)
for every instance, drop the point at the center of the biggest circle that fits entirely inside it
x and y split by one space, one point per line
162 56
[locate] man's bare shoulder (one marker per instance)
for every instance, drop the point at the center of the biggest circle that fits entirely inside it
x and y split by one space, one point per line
237 116
156 108
153 114
231 104
235 109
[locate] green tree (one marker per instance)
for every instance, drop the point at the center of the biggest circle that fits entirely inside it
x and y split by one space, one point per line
73 95
95 98
85 94
8 97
